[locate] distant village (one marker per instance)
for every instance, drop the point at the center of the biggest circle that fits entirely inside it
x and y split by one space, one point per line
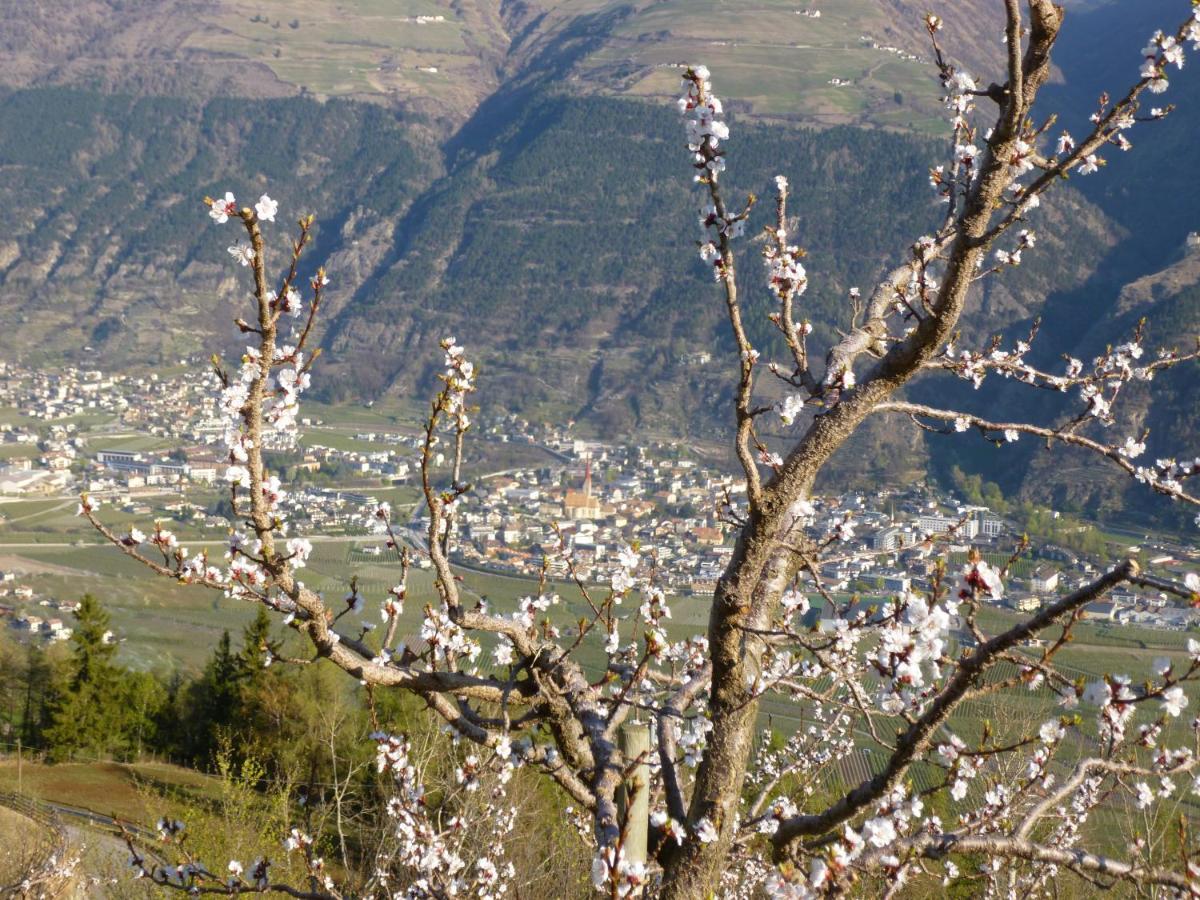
178 410
590 495
37 617
607 495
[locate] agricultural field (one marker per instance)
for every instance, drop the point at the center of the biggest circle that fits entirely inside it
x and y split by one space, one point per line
387 414
162 624
401 496
776 59
132 442
386 48
53 521
341 439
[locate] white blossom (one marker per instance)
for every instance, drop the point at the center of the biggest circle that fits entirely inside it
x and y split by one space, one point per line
266 208
220 210
1174 701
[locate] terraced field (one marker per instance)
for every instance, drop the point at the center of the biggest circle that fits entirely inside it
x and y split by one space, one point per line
773 60
852 60
398 49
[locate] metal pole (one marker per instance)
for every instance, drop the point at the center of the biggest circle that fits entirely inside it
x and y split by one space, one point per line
633 799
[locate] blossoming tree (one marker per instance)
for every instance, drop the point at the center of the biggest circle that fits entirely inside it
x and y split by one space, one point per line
675 726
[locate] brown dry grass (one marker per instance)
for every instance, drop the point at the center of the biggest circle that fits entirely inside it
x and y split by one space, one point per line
21 843
115 789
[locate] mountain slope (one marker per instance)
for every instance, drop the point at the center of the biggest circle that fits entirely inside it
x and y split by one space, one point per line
1100 52
106 251
572 232
1169 408
442 58
1146 273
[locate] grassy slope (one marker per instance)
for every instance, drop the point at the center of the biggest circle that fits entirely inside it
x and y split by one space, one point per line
771 58
118 789
774 59
340 48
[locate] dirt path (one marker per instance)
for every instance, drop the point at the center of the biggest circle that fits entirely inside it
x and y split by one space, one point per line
40 512
25 566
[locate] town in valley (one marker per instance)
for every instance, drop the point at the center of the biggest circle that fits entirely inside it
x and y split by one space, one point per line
544 503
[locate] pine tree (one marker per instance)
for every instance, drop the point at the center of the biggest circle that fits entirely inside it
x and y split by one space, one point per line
142 697
256 648
39 696
88 715
92 651
220 680
256 681
170 724
212 704
11 693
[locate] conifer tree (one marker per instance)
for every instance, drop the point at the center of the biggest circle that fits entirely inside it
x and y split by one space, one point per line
39 692
260 700
87 716
11 694
257 649
212 703
141 697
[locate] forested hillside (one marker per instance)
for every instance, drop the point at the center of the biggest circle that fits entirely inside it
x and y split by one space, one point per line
103 258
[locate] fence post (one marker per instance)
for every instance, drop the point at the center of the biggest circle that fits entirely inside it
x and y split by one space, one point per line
633 799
